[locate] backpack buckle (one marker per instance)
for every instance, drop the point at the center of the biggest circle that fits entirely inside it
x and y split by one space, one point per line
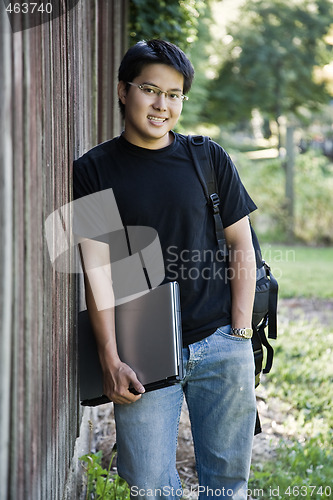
215 201
197 140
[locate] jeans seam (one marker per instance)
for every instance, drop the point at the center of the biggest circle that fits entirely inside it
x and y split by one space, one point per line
177 433
194 445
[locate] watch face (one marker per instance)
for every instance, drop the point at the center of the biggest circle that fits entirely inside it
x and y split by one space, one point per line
243 332
246 333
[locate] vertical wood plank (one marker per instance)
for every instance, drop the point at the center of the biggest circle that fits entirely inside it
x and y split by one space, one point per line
6 249
57 83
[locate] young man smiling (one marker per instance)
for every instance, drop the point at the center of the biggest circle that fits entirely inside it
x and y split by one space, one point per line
149 115
150 171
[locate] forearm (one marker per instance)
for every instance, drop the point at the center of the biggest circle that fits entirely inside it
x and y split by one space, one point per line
242 281
242 272
102 318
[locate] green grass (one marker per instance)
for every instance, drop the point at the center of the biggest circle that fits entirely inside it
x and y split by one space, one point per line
299 471
301 380
302 374
301 271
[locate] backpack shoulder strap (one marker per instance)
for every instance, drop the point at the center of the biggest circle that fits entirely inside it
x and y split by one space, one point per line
272 306
200 152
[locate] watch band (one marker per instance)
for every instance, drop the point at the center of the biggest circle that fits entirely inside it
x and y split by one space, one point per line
246 333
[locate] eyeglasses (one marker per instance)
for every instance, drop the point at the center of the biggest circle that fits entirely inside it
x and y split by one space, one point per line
152 91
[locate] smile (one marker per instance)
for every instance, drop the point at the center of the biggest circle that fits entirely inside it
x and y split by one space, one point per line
156 119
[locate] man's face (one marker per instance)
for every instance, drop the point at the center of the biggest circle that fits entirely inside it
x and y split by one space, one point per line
149 118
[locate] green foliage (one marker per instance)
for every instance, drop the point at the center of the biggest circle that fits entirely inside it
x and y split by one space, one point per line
172 20
313 197
301 271
269 62
100 484
302 375
265 181
200 51
187 24
301 380
298 471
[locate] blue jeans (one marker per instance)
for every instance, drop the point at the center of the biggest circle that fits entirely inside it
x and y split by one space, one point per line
219 390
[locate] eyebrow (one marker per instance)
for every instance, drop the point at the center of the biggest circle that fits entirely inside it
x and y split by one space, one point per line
154 85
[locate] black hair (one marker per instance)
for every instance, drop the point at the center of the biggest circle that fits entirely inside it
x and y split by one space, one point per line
154 51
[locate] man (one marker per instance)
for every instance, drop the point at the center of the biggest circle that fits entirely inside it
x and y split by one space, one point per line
150 171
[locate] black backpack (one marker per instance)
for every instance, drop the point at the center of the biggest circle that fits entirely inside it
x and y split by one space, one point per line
266 294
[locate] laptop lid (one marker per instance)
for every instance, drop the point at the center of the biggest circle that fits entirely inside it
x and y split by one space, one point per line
149 340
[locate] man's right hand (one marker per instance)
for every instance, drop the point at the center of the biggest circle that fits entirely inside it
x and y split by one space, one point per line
118 379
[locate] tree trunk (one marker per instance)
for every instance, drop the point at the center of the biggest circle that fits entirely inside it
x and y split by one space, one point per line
289 191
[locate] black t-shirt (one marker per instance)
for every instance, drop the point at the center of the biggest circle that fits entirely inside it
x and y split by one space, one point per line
160 189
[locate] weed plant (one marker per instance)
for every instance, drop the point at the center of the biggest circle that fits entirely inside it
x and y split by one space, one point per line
101 484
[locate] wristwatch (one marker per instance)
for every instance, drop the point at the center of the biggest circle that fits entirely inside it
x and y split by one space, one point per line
246 333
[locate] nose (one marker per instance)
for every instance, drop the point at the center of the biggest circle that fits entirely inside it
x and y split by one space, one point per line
160 101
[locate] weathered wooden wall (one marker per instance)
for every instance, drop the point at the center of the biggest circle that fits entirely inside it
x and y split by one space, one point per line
57 94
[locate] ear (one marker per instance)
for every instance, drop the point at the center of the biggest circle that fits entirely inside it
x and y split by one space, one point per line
122 92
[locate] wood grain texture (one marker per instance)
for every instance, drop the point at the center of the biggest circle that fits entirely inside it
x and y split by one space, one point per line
58 99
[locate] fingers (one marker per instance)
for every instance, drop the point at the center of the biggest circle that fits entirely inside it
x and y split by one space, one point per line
125 399
135 386
127 395
122 386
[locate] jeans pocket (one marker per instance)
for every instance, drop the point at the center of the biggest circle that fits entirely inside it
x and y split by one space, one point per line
225 331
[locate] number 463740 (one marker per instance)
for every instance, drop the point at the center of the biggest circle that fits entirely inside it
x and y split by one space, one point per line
304 491
29 8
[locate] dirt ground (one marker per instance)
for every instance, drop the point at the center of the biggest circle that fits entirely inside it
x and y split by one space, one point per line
272 412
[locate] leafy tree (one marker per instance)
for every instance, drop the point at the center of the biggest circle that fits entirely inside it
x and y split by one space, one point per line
200 52
185 23
269 63
172 20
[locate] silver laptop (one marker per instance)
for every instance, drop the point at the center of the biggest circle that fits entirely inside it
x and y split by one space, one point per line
149 340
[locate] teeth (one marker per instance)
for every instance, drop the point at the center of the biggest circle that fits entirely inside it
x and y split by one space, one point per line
156 119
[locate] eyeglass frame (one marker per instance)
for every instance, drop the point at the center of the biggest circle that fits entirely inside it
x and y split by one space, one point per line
141 86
